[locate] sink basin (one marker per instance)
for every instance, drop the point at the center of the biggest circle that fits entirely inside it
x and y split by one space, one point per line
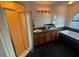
37 30
53 28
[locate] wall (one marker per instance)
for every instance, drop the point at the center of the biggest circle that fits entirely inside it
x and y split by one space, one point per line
72 9
61 11
2 52
41 18
30 32
6 35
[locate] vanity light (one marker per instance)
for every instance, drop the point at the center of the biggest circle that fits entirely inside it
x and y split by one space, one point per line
70 2
43 11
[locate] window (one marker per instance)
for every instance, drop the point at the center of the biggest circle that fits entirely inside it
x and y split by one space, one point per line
58 20
54 19
75 21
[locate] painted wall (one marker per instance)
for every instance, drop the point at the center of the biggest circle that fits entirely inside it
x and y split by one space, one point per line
41 18
72 9
6 35
2 52
30 29
61 15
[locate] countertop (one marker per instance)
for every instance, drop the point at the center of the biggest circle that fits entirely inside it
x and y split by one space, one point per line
45 30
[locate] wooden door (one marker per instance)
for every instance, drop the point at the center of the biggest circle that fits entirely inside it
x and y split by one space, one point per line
13 21
24 29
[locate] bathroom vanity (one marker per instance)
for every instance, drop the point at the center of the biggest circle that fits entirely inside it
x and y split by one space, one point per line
44 36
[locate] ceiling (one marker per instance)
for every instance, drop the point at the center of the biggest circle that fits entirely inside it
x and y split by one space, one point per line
47 5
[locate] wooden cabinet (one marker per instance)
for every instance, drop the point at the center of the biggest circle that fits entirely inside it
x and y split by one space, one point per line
48 36
36 38
57 35
53 35
43 37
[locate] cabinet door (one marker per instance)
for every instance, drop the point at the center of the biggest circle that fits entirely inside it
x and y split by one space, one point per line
57 35
53 35
36 38
24 29
48 36
42 38
13 21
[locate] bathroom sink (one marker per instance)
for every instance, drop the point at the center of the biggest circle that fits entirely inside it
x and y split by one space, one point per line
53 28
37 30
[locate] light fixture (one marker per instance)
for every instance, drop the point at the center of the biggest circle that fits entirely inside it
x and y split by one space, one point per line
43 11
70 2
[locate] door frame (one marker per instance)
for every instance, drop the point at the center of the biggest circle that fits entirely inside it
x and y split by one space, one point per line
28 15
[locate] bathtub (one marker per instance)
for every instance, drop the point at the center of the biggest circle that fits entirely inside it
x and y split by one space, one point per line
70 38
72 34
